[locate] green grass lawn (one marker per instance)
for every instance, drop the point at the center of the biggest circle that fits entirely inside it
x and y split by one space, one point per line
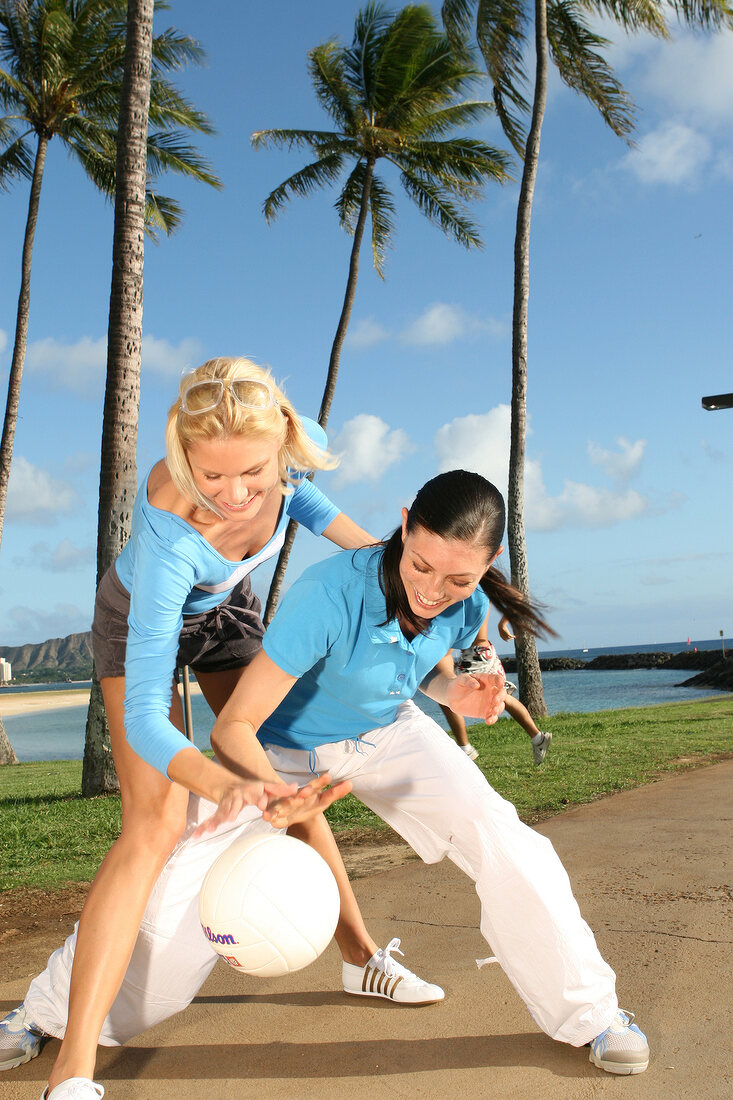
51 835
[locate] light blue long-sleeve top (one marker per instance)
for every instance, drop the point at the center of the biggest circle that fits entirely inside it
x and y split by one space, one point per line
170 570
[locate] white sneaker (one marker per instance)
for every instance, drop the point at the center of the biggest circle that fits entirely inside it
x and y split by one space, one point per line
20 1039
470 751
76 1088
539 750
622 1047
383 977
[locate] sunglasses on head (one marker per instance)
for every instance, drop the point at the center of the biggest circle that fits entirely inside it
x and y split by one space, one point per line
202 397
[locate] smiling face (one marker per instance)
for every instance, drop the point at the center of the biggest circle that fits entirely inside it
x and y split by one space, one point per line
438 572
235 473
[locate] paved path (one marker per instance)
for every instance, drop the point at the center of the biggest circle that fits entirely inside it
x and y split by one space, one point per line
651 869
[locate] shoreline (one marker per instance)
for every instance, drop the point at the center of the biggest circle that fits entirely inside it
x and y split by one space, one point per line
13 704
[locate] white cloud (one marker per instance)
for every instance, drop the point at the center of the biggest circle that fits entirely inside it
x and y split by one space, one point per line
3 340
64 558
619 465
82 366
27 625
674 154
369 448
34 496
169 360
366 333
480 442
692 75
443 323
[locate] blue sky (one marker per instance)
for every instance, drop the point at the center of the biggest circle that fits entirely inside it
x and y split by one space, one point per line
628 500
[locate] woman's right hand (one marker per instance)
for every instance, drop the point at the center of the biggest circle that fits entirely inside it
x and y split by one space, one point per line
282 804
236 794
310 800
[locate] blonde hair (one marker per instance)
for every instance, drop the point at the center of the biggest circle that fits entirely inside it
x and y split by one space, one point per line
280 422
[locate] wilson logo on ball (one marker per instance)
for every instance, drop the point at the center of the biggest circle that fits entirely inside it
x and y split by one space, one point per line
218 937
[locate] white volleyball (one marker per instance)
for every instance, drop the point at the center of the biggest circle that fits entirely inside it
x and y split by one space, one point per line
269 905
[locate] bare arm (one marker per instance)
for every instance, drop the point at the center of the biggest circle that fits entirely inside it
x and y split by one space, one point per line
347 534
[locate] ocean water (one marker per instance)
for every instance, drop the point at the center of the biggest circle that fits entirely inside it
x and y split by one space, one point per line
59 734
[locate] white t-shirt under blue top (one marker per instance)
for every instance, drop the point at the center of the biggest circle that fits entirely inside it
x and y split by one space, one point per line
353 668
170 570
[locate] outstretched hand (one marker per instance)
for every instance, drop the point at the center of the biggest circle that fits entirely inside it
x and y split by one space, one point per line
282 804
315 797
477 695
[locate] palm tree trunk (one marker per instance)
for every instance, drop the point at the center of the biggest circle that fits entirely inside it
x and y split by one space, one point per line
331 378
7 752
528 665
21 329
118 473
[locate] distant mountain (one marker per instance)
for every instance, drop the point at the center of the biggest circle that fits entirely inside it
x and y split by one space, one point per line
57 659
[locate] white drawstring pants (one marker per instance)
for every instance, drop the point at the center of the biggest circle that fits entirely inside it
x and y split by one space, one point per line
416 779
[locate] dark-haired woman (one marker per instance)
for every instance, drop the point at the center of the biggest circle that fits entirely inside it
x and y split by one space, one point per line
353 641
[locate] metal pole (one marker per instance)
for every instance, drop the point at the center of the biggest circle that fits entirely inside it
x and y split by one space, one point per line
722 642
187 716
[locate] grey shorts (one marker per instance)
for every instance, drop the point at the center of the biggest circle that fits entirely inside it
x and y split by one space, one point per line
226 637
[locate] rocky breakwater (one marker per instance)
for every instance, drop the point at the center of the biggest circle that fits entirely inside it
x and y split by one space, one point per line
713 671
548 664
718 675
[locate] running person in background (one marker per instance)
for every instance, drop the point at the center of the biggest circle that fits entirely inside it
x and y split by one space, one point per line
237 455
331 692
482 657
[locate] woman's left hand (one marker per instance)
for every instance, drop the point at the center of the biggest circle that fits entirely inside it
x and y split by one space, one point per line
477 695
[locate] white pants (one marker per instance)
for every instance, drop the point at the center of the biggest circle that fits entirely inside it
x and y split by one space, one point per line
416 779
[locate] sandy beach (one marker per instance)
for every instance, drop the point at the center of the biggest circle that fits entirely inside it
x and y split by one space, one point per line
35 702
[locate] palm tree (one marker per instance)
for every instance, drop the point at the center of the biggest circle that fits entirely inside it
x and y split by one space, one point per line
393 95
118 471
562 32
62 63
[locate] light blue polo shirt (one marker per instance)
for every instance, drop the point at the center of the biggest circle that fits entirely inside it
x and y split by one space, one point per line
353 673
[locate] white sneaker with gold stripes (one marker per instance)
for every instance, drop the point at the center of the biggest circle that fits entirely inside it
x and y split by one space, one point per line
384 977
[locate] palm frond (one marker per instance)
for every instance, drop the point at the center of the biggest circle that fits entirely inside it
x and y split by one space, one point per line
162 215
16 159
709 15
440 208
294 139
325 65
173 50
462 165
447 119
574 48
169 152
382 210
303 183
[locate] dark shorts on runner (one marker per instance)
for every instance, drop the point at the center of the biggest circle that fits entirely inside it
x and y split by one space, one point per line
226 637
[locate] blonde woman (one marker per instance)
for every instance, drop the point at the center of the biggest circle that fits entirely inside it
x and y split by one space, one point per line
237 456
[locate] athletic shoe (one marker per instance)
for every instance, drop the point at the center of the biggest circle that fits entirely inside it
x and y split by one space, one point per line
479 658
20 1039
539 750
76 1088
470 751
622 1047
383 977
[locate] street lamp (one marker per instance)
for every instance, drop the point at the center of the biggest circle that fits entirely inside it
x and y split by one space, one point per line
718 401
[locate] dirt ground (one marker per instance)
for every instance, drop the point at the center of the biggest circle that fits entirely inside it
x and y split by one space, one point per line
652 871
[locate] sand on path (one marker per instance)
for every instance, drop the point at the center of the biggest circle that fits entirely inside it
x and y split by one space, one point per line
651 869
